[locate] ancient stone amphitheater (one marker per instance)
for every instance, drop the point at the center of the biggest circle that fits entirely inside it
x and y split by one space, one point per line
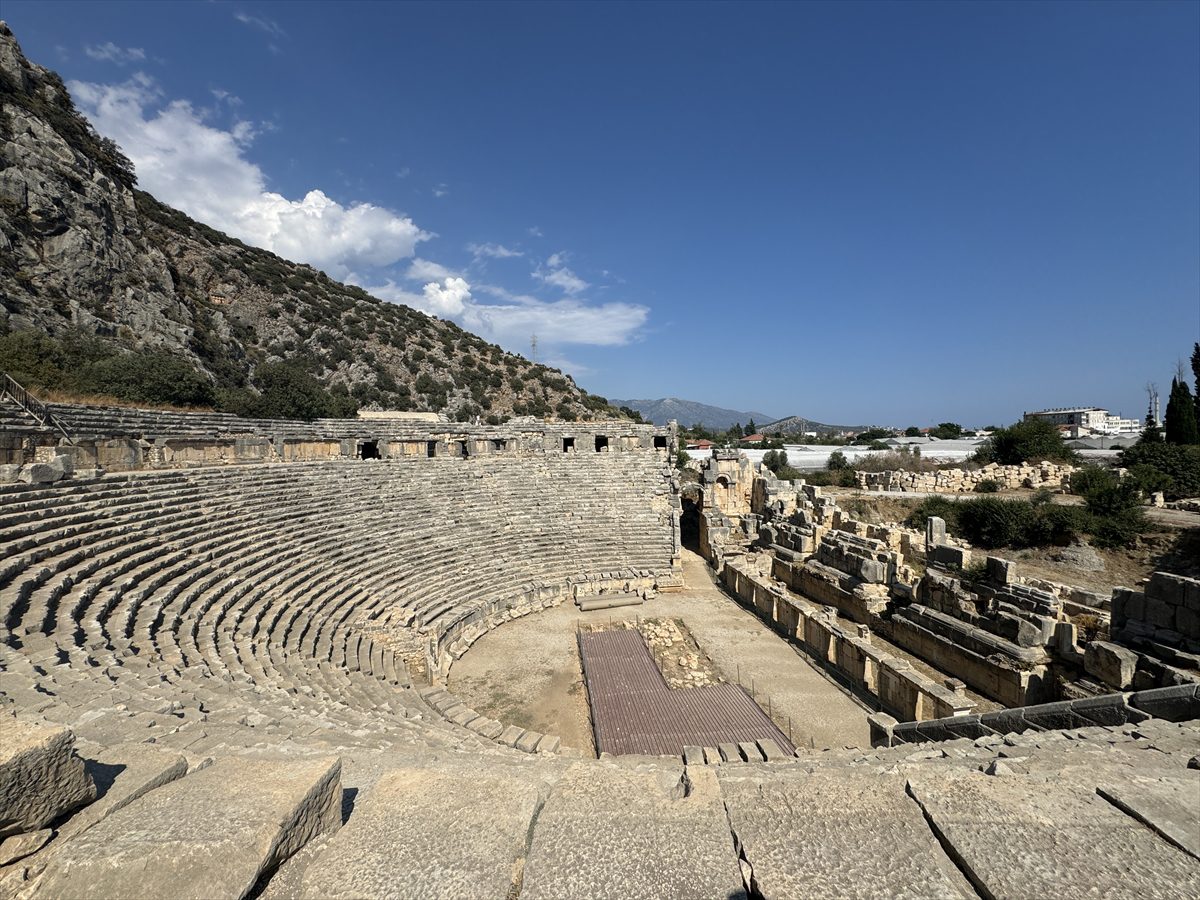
222 650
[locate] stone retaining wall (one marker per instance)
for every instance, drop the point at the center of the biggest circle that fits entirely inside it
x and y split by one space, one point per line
963 481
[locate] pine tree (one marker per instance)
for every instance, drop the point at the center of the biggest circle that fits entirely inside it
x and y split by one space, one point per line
750 428
1180 420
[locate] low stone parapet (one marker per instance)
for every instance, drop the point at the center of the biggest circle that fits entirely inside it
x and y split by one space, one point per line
1174 704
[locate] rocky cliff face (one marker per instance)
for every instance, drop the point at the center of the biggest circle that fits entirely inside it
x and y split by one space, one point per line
81 248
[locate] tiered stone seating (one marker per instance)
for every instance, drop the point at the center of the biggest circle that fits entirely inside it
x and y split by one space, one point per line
234 650
303 594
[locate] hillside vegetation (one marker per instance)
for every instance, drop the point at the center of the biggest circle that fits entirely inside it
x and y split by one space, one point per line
108 291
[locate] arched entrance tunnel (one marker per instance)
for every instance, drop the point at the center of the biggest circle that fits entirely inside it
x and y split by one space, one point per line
691 502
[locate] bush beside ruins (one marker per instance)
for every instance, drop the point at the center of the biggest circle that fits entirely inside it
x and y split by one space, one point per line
1111 517
1033 440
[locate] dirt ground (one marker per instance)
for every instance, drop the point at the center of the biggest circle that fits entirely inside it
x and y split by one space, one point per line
527 671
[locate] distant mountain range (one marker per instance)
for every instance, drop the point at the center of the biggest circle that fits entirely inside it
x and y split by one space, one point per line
689 412
797 424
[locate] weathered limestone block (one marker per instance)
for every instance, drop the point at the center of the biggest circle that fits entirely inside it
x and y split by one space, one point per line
64 464
861 836
40 473
41 777
429 834
1111 663
18 846
1022 836
946 555
632 831
935 533
999 571
119 454
1167 805
209 834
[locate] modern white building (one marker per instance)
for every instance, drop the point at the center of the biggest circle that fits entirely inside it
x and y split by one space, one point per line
1087 419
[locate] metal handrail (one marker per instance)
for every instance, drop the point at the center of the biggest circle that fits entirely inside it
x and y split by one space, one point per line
33 407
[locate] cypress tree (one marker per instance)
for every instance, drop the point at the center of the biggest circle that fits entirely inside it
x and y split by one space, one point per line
1196 377
1180 420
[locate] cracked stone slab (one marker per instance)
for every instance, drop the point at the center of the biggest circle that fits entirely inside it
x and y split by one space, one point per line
1170 806
836 835
41 776
211 833
1024 836
632 831
423 833
122 774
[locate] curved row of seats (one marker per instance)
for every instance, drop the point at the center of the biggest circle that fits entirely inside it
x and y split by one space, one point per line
293 598
115 421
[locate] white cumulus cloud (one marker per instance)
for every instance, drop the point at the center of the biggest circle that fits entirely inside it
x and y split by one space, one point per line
202 169
568 321
449 298
188 161
427 270
510 321
110 52
558 275
493 251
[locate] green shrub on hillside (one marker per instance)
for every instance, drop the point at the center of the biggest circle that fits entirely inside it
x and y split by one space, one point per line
287 391
148 377
1091 478
992 522
83 364
826 478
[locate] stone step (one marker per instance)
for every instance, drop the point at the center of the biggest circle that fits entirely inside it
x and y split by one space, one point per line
630 831
861 834
429 833
1029 836
212 833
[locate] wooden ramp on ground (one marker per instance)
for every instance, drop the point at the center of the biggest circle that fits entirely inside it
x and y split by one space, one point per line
635 711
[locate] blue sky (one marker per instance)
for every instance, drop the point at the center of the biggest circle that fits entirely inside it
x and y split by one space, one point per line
890 213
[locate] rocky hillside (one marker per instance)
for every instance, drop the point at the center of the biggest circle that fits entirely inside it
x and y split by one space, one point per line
83 253
688 413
